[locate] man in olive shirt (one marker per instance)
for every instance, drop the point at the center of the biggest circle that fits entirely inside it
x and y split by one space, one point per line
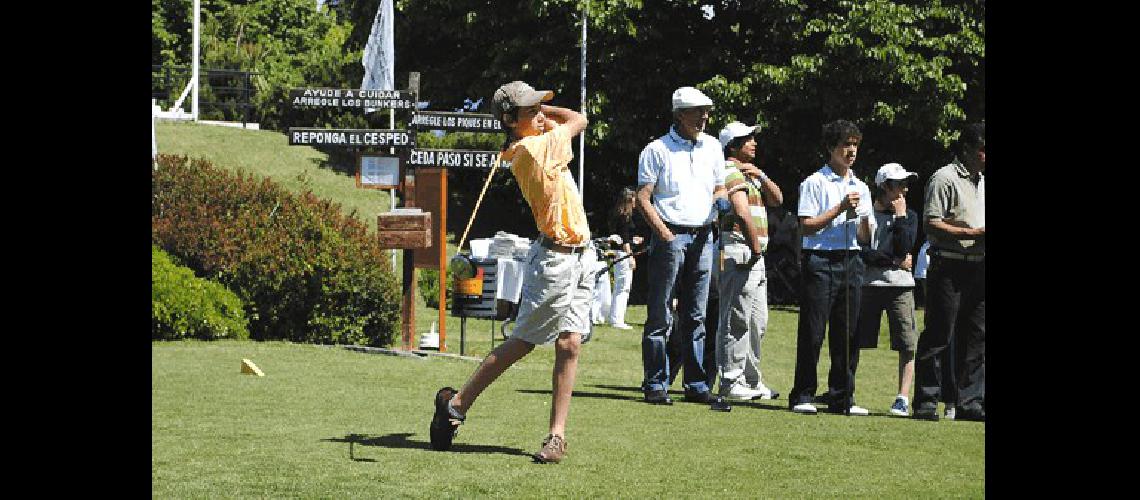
955 218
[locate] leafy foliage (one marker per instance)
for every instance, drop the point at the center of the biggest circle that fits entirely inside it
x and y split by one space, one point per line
307 272
183 305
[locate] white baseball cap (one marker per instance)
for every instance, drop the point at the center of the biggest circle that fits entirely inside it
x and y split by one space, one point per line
734 130
892 171
689 97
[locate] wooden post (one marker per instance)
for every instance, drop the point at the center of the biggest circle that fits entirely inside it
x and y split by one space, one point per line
409 303
443 261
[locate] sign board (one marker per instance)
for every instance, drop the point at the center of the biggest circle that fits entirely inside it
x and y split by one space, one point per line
431 196
352 98
378 171
471 122
350 137
449 158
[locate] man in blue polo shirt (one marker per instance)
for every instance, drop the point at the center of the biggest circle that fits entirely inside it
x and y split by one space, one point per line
834 211
678 176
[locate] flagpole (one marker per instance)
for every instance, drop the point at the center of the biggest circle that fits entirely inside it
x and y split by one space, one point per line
582 138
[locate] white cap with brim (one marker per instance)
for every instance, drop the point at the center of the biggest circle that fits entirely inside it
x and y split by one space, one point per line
689 97
893 172
734 130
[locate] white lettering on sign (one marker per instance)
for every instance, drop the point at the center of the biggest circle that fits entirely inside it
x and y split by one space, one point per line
422 157
320 138
378 94
316 101
322 93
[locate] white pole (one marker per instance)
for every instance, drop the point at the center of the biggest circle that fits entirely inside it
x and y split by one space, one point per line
153 140
582 139
194 76
392 191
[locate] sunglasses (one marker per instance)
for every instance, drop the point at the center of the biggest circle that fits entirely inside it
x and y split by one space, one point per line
894 183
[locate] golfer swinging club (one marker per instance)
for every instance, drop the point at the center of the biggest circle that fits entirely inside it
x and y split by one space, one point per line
558 283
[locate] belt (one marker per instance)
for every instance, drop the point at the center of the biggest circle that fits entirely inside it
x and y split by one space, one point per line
686 229
946 254
831 254
549 244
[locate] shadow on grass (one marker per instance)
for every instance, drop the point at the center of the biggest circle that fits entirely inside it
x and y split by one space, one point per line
400 440
581 394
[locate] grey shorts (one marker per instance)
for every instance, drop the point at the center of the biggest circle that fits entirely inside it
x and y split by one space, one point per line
899 304
556 293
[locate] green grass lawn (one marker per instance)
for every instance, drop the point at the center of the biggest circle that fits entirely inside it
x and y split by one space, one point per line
330 423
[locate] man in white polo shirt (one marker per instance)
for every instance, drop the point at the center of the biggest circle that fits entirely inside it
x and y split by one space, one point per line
678 176
835 219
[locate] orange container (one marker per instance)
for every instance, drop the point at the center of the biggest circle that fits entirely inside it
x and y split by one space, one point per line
472 286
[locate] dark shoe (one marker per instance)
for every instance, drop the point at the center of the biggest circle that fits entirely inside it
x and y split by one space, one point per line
658 398
926 413
553 449
720 404
970 414
444 426
705 397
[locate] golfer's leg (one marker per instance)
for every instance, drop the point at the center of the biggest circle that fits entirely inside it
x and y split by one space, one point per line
501 358
971 332
566 350
941 311
815 303
906 372
663 264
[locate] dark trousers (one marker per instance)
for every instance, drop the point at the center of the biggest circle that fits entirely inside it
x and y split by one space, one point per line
955 315
830 279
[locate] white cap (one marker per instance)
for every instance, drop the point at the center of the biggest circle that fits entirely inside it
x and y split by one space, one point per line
891 171
734 130
689 97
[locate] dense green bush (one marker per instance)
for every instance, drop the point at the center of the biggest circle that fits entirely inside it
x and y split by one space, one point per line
185 306
307 272
428 284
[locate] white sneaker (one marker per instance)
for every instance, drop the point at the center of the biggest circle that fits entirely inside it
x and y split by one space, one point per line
805 408
741 393
766 393
622 326
858 411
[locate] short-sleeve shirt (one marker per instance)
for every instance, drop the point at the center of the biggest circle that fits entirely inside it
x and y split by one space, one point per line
684 174
734 181
953 193
540 164
824 189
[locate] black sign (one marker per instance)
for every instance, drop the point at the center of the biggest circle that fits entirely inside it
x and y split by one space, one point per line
471 122
451 158
351 138
352 98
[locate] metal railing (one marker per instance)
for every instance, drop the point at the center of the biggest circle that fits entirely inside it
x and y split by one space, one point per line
225 90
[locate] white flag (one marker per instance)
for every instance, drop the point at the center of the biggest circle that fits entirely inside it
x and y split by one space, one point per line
380 54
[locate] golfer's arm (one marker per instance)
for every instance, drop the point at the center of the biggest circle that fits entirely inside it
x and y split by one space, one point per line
773 197
812 225
941 229
650 213
567 118
740 207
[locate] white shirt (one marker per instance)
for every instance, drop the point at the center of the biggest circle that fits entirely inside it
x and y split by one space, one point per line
824 189
684 173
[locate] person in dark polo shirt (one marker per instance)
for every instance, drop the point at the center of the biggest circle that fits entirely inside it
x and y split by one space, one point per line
955 221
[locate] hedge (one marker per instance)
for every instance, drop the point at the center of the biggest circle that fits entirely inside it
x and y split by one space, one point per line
183 305
306 271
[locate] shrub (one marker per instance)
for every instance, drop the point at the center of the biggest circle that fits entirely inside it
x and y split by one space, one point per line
428 284
183 305
307 272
